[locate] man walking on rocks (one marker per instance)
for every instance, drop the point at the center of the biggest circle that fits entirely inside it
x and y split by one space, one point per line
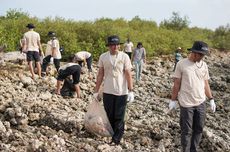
191 87
31 45
115 69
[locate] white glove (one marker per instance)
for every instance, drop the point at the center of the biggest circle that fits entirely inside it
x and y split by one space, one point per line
96 96
172 104
130 97
51 60
213 105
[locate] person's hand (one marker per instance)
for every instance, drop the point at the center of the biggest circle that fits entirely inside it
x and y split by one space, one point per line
96 96
42 54
51 60
130 97
172 104
212 105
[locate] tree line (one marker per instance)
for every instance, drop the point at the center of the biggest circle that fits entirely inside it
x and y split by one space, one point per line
91 35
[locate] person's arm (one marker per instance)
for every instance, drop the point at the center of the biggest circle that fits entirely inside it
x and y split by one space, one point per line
176 88
40 48
133 55
144 55
24 46
100 77
84 60
208 92
129 79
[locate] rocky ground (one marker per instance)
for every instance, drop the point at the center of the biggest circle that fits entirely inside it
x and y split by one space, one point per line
33 118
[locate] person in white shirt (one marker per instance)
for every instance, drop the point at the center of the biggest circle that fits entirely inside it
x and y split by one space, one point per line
115 69
52 54
32 46
191 88
86 58
128 47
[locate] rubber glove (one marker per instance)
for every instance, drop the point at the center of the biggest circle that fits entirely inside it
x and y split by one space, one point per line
130 97
213 105
96 96
172 104
51 60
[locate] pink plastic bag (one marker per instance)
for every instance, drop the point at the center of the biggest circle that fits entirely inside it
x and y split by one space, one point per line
96 120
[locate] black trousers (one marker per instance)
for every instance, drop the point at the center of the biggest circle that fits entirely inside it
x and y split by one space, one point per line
88 62
115 107
192 122
46 61
73 70
129 54
174 68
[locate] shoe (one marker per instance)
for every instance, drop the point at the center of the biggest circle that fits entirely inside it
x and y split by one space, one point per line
43 74
114 143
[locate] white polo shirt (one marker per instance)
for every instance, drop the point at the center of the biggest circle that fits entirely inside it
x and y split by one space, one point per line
114 72
193 76
128 46
80 56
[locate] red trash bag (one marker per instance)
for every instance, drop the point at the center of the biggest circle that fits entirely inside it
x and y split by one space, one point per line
96 120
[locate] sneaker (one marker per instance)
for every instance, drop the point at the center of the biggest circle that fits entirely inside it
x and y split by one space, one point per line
114 143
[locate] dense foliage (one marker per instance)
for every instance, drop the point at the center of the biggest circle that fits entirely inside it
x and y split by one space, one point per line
91 35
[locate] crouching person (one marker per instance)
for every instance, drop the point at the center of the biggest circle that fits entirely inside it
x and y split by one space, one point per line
69 69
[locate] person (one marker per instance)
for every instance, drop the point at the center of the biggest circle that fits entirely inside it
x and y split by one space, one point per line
69 69
191 87
115 68
52 54
128 47
139 58
21 45
21 41
178 57
32 46
86 58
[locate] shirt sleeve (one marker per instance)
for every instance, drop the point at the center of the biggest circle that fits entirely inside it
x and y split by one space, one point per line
144 52
127 62
178 71
206 76
100 63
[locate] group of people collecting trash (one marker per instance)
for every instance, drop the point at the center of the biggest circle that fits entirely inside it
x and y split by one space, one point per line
190 89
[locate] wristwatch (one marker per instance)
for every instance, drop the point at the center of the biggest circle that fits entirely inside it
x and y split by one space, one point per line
210 98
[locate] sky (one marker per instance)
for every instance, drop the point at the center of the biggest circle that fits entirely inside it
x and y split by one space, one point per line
201 13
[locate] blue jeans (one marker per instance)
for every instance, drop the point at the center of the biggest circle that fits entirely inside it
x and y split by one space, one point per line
138 69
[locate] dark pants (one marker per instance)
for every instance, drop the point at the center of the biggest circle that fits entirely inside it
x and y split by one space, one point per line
115 107
129 54
192 121
89 63
175 65
46 61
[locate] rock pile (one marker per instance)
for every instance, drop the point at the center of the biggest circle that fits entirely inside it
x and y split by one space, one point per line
33 118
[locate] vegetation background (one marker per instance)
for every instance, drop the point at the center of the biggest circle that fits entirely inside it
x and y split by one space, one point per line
91 36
